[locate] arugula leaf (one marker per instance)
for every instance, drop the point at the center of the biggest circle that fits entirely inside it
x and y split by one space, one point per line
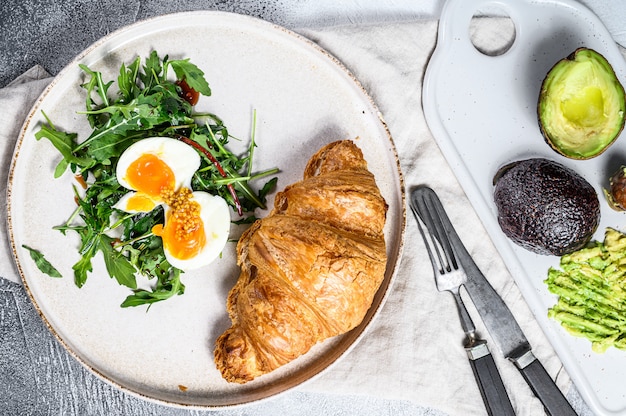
64 143
165 289
267 188
97 85
83 266
42 264
106 147
192 75
127 81
117 265
152 70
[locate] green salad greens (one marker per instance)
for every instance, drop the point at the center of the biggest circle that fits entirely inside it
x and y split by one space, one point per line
148 100
591 285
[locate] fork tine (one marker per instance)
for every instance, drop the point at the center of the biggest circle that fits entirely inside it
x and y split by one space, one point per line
442 234
430 245
429 211
435 227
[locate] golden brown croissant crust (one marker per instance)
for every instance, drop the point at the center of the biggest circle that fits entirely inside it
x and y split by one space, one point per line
310 269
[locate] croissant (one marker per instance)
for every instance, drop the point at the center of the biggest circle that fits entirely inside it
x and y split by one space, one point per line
310 269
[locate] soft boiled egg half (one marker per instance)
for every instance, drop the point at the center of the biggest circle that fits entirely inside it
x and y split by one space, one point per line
158 171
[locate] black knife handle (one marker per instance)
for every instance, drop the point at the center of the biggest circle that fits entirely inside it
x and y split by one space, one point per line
489 381
543 386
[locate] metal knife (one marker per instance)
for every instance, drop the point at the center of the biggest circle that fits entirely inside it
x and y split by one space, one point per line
504 329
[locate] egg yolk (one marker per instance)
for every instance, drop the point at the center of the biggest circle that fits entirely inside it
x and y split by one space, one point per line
150 176
183 235
140 203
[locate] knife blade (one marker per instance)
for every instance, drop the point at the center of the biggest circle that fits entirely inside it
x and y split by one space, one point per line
504 329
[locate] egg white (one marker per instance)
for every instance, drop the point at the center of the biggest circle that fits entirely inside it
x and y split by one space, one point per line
215 215
183 160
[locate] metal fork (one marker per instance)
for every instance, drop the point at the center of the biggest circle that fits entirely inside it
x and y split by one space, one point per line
450 277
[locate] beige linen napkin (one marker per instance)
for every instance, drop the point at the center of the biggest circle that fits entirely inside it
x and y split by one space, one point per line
16 99
414 349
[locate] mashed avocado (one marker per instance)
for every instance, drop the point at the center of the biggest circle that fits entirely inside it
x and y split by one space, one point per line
591 286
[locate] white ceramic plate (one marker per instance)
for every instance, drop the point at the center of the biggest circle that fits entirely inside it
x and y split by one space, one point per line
304 99
482 112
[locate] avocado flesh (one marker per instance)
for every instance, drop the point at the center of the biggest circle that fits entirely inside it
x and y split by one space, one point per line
589 285
581 105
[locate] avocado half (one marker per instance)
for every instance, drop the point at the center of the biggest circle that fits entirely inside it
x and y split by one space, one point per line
545 207
581 105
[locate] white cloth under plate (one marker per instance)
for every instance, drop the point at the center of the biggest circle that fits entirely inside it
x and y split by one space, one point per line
16 99
413 349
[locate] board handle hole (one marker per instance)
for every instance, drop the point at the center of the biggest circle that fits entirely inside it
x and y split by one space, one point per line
492 31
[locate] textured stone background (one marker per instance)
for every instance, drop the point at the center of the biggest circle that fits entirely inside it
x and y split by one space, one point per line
51 33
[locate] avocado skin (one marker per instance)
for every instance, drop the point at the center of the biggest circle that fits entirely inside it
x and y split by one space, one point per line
545 207
616 194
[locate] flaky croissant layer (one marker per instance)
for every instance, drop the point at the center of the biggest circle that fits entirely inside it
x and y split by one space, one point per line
310 269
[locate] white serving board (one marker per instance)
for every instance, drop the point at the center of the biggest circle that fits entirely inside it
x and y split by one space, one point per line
482 112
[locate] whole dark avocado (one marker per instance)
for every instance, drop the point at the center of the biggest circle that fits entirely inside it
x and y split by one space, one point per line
545 207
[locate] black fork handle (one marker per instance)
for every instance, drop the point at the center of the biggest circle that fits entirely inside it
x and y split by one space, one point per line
490 383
